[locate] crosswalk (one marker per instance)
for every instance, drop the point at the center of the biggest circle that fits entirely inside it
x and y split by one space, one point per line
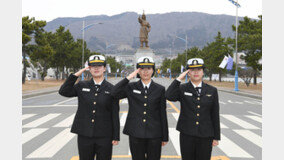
229 146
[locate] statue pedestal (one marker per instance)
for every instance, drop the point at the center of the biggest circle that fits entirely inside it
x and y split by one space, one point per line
141 52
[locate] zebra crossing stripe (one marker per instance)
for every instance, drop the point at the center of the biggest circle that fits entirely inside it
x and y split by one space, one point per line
239 122
50 148
176 115
222 125
256 118
66 122
32 133
41 120
254 113
123 119
174 137
249 135
231 149
26 116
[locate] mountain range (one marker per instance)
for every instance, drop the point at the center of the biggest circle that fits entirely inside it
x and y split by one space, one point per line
119 34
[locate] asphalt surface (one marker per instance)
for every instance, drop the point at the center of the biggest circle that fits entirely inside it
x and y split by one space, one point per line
47 118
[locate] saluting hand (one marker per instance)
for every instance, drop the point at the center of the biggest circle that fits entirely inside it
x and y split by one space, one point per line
81 71
164 143
181 76
114 142
133 74
215 143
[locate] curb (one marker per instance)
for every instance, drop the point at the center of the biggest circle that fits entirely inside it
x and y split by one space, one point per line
38 93
242 94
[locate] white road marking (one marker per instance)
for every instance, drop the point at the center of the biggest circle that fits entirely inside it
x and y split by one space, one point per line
222 102
254 113
223 126
249 102
39 96
49 106
235 102
123 119
26 116
41 120
174 137
70 99
50 148
239 122
66 122
256 118
231 149
176 115
32 133
249 135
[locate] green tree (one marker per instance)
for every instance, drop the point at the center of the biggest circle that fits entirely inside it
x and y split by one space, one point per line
213 54
250 42
29 27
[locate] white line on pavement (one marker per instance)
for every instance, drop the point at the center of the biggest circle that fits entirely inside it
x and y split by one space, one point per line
64 101
254 113
223 126
26 116
66 122
256 118
42 106
222 102
41 120
32 133
231 149
174 136
249 135
239 122
50 148
123 119
39 96
176 115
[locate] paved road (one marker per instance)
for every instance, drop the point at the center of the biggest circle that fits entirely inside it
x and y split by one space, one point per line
46 122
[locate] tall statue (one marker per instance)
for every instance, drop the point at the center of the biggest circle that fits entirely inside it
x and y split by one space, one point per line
144 30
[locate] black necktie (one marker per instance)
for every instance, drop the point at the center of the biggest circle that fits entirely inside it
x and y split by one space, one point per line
97 86
197 90
146 89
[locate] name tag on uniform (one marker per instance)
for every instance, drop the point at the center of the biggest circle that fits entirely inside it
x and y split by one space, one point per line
187 94
106 92
86 89
136 91
208 95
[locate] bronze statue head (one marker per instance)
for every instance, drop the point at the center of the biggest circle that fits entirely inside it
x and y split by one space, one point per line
143 16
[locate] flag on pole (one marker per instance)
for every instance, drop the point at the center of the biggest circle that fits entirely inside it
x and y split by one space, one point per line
168 70
181 68
224 62
117 70
230 63
108 68
235 3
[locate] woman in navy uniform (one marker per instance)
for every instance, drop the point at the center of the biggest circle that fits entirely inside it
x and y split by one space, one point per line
146 122
97 118
198 123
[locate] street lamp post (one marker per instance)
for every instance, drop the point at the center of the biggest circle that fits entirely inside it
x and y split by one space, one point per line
236 72
83 46
185 40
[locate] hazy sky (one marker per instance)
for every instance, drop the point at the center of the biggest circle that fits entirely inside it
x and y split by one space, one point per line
51 9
